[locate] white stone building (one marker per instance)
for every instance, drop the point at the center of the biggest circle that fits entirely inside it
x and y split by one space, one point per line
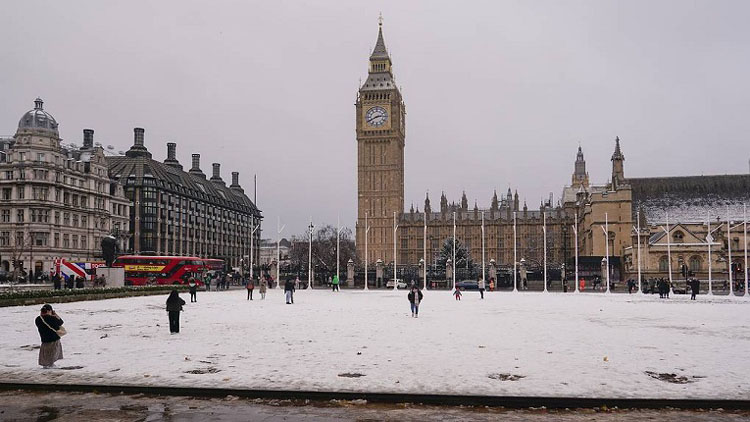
55 201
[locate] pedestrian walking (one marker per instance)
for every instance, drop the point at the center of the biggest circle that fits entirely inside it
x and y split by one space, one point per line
335 283
480 285
57 282
415 298
457 293
695 287
250 287
565 285
50 327
174 307
263 287
193 287
289 291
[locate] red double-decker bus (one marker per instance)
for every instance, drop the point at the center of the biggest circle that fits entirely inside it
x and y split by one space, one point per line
144 270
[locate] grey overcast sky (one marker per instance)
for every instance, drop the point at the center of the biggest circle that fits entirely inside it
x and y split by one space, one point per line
498 93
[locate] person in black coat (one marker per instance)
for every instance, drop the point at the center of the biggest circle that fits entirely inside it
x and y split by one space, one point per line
415 298
289 291
174 306
193 286
48 323
695 287
57 282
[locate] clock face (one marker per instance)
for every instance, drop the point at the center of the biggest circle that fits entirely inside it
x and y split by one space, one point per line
376 116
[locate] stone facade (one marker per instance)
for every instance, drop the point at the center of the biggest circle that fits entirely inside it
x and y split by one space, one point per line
56 201
381 134
177 212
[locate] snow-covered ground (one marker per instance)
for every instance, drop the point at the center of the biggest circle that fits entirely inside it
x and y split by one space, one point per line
585 345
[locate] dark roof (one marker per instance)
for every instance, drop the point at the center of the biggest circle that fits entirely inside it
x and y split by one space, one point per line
134 170
691 199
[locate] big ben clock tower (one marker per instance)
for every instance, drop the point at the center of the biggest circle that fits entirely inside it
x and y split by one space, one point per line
381 133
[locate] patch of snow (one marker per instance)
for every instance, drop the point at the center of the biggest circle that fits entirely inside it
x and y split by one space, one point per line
525 344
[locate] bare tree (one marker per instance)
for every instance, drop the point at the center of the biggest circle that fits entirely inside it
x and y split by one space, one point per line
323 249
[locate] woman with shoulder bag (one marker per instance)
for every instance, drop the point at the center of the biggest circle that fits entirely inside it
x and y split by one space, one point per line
50 328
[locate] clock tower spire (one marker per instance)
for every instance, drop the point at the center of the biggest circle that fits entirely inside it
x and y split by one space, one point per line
381 133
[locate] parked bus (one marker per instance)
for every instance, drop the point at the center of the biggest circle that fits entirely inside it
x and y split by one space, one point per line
143 270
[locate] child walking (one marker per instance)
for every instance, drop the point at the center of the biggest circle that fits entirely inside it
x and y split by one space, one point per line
457 293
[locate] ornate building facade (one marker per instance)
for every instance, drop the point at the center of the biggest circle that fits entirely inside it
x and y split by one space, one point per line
177 212
381 134
55 201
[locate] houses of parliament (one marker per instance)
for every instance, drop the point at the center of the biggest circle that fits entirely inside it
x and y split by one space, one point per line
583 206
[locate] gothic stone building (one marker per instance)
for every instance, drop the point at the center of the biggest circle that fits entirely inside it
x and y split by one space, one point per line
381 135
177 212
57 201
674 214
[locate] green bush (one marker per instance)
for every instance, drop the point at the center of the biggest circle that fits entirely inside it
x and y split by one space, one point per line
33 294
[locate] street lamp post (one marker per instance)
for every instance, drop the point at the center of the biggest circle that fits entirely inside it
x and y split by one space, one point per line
422 267
605 227
367 257
311 227
515 255
279 229
575 232
338 243
253 228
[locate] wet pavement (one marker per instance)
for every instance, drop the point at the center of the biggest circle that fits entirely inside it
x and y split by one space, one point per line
63 407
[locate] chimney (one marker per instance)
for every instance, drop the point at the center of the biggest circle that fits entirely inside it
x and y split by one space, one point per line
138 149
88 138
236 182
172 156
138 137
196 169
216 177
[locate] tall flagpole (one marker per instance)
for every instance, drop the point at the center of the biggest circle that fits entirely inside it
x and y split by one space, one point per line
709 240
338 243
309 257
454 250
483 246
424 251
729 249
744 223
605 228
575 231
544 232
669 256
395 267
515 255
638 216
367 257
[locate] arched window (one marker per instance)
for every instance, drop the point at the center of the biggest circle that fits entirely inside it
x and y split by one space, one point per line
695 263
678 237
663 264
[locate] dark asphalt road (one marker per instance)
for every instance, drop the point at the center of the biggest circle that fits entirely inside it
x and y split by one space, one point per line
16 406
